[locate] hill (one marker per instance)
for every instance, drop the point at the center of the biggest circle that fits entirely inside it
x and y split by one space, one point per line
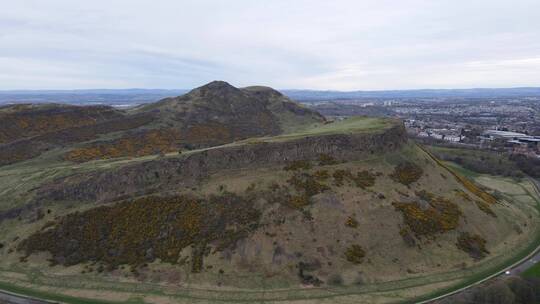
213 114
221 109
27 120
294 209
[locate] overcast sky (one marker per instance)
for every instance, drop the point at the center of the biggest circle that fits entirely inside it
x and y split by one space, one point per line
315 44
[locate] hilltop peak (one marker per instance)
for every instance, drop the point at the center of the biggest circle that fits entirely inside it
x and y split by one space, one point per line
218 113
217 84
215 88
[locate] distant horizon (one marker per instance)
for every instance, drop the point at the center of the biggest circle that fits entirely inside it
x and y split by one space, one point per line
142 95
278 89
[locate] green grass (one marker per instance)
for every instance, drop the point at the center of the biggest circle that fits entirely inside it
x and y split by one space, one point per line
348 126
57 297
463 171
533 272
352 124
481 161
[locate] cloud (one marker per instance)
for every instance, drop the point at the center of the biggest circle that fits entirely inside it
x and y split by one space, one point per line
343 44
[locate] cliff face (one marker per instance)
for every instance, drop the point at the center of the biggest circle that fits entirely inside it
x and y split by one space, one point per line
174 174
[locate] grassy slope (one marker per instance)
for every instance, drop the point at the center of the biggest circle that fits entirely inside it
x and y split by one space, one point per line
360 125
18 179
480 161
348 126
519 253
392 287
535 270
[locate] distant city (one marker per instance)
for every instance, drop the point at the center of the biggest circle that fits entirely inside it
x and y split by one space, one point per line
502 123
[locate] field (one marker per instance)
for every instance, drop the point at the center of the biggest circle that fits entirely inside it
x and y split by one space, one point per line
533 271
489 162
347 126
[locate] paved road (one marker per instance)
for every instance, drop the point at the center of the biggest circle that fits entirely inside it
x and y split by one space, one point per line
6 298
526 265
533 259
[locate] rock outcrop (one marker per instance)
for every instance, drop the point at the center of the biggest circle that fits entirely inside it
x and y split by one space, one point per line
168 174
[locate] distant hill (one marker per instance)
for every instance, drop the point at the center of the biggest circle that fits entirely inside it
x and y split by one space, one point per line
214 114
130 97
116 97
254 110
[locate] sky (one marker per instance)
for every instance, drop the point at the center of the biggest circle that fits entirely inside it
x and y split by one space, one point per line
286 44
